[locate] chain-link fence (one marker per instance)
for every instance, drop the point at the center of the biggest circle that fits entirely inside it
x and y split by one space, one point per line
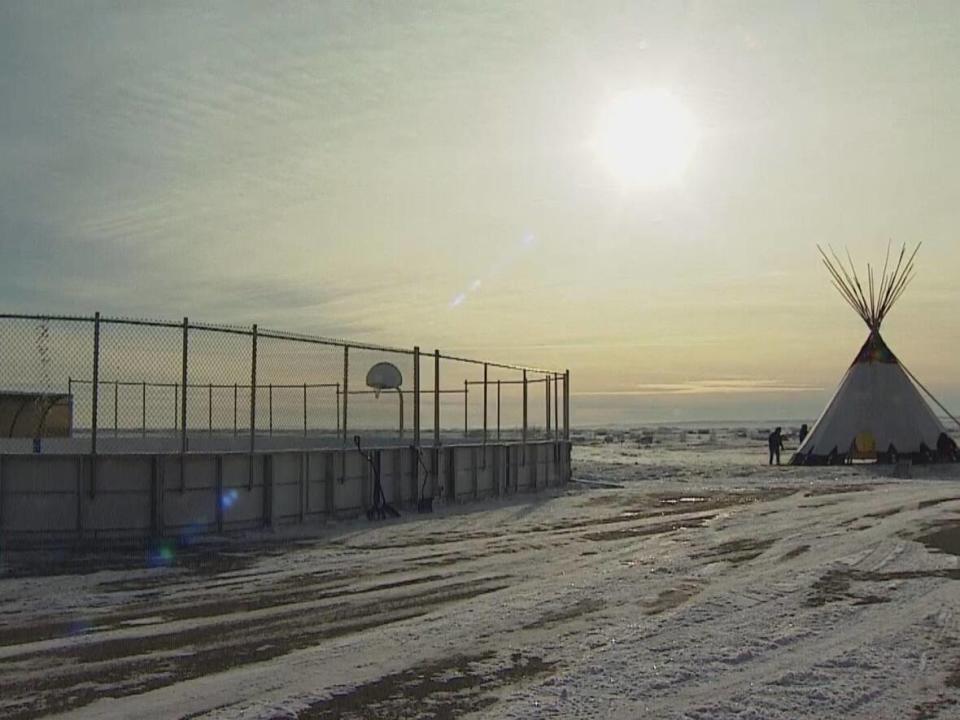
97 384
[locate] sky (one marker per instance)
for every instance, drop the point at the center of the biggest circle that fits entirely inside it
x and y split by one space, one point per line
427 173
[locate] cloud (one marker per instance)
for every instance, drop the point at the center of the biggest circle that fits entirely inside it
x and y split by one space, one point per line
710 387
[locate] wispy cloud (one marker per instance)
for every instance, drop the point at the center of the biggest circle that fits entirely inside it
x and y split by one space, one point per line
709 387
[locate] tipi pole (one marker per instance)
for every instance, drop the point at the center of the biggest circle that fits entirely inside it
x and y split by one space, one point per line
929 394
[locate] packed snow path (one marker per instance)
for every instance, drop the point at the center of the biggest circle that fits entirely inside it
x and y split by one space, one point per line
703 587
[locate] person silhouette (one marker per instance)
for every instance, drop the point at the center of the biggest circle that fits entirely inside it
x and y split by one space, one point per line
946 448
775 442
801 436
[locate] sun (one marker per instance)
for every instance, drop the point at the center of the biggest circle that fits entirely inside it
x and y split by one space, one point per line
646 138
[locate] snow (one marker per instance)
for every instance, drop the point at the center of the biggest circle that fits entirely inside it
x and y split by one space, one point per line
682 580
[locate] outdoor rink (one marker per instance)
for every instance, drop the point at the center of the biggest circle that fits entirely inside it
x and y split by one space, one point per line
707 586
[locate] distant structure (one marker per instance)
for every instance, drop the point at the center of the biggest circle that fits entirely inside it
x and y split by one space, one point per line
877 413
35 415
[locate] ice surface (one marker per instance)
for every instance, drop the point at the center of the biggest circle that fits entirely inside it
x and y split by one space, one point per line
700 583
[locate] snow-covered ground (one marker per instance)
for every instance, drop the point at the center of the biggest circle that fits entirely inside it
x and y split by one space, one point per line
699 583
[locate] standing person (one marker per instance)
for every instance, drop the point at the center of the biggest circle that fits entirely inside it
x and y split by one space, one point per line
946 448
802 434
775 442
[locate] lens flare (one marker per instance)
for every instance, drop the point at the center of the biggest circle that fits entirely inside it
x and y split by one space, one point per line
229 498
161 555
527 242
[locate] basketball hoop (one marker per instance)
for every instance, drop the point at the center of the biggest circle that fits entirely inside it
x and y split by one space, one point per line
386 376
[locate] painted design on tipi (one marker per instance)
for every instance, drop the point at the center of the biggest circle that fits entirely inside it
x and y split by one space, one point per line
875 350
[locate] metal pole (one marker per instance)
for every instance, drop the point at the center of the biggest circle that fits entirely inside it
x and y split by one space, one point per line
498 410
338 410
72 406
96 395
270 406
304 409
210 410
436 399
234 409
546 383
143 411
556 407
466 390
566 405
400 395
253 407
253 398
176 406
116 407
485 384
524 436
346 392
183 400
416 396
183 409
346 389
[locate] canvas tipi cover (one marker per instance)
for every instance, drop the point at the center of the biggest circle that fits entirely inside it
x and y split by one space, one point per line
877 412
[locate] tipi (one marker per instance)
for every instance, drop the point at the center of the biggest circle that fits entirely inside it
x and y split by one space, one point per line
877 413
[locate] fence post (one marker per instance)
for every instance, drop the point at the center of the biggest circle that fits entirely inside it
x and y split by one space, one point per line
346 391
485 386
523 460
234 409
270 408
566 405
176 407
400 397
143 410
210 410
304 409
116 407
436 399
94 409
546 382
436 420
183 407
556 407
498 410
466 427
338 410
416 396
253 406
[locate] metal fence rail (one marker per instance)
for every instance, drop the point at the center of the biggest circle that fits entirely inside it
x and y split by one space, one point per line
136 384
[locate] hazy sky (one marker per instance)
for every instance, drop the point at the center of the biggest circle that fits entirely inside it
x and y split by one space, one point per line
424 173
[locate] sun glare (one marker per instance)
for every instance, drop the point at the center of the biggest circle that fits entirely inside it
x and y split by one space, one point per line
646 138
